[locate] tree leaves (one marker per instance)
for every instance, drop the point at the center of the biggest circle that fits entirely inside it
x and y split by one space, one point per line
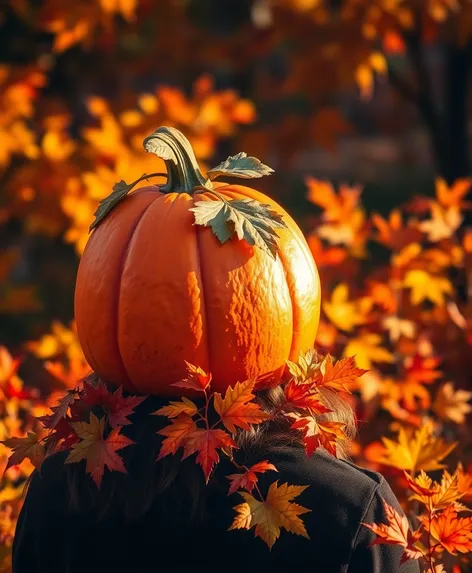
206 443
452 532
27 447
396 532
270 515
236 408
240 165
120 190
420 451
248 479
197 379
176 434
98 451
248 219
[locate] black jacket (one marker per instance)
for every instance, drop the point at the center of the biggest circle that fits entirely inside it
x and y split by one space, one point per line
51 538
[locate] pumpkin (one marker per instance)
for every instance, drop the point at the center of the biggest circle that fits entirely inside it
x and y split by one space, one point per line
197 271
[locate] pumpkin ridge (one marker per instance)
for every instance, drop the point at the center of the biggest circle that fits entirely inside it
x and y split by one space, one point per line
118 288
206 327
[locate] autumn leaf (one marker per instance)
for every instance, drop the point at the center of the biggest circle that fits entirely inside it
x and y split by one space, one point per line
435 496
120 190
305 367
206 443
396 532
248 479
367 349
174 409
427 287
452 532
50 421
176 434
27 447
452 196
116 407
8 365
452 405
270 515
318 433
336 376
240 165
236 408
98 451
420 451
443 223
197 379
250 220
392 233
346 314
304 396
421 485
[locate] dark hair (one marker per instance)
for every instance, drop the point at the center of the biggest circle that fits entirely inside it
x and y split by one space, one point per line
134 493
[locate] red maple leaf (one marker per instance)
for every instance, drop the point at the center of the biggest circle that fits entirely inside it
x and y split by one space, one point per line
303 396
50 421
197 379
206 443
318 434
116 407
248 479
337 375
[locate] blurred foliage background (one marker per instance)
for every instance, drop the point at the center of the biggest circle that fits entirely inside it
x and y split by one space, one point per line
362 107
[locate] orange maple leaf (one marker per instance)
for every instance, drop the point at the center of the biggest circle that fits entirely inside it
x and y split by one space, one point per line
206 443
248 479
27 447
176 433
174 409
304 396
452 196
336 376
269 515
197 379
236 408
97 450
396 532
392 233
452 532
318 434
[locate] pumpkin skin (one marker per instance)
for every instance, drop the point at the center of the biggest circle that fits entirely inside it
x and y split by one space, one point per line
154 290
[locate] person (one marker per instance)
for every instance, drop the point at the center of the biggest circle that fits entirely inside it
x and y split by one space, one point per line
161 517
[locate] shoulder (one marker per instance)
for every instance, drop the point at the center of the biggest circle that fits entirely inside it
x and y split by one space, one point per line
49 480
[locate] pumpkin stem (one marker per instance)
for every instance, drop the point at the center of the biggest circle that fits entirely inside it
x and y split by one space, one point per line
183 173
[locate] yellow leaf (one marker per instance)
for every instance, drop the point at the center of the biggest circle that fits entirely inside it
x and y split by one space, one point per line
427 287
273 513
421 451
342 312
366 350
443 222
452 405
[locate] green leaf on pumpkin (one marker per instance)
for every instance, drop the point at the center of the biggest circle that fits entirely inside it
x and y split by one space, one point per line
240 165
248 219
120 190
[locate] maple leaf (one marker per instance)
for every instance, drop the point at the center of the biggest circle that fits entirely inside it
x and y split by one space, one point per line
318 434
345 314
422 485
443 223
305 367
273 513
27 447
250 220
206 443
117 408
452 196
197 379
427 287
50 421
248 479
174 409
120 190
452 532
98 451
8 365
392 233
396 532
441 495
398 327
421 451
452 405
366 349
176 433
236 409
336 376
304 395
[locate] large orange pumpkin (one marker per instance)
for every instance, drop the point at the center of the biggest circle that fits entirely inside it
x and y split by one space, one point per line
155 290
